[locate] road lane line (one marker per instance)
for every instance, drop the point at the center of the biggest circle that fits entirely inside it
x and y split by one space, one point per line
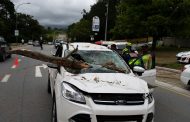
38 72
14 66
173 88
6 78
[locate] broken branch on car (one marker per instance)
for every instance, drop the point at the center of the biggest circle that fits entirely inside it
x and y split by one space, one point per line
51 59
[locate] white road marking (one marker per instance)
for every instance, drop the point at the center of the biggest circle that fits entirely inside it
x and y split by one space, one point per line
19 60
23 56
13 67
6 78
38 72
44 66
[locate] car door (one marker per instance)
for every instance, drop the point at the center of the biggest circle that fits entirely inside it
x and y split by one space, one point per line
149 74
53 72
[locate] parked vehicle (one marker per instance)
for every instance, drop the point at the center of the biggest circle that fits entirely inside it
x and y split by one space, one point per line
30 42
50 43
98 93
183 57
185 75
36 43
4 48
57 42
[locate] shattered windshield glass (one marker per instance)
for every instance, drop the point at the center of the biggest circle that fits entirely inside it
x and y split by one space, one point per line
100 62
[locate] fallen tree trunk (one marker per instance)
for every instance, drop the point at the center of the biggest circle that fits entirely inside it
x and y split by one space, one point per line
51 59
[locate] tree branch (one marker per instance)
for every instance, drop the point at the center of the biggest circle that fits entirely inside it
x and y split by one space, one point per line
75 50
51 59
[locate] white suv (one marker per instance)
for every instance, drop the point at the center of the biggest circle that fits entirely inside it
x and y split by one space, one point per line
98 93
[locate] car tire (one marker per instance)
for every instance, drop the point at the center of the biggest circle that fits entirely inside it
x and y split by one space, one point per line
54 111
49 87
9 56
2 58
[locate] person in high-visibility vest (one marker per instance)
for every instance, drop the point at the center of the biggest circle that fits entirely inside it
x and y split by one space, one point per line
145 60
126 52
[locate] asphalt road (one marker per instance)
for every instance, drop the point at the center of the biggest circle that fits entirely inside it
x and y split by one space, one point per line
24 97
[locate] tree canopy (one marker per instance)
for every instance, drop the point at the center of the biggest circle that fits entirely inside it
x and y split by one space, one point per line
28 27
138 18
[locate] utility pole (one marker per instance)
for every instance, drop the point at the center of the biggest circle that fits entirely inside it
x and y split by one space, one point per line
106 26
16 26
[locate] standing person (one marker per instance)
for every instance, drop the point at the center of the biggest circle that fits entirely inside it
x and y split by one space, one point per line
126 52
22 41
41 44
113 47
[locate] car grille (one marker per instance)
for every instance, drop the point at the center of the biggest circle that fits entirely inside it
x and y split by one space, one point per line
118 99
183 59
178 58
136 118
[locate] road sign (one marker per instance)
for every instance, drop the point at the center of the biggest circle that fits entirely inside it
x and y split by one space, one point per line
16 32
96 24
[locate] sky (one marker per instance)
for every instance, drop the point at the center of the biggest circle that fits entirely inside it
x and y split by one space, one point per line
54 12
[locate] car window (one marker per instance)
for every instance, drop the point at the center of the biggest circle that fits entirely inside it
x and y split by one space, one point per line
120 47
99 60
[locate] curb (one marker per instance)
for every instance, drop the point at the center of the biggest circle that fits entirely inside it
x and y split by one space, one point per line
168 69
173 88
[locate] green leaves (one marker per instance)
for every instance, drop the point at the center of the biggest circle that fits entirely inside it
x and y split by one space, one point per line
160 18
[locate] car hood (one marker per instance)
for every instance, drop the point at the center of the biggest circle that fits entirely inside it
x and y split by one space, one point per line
107 83
186 53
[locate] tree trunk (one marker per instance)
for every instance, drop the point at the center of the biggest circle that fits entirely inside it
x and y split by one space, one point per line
155 38
51 59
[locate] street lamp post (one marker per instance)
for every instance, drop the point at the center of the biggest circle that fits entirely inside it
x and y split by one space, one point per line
106 27
16 26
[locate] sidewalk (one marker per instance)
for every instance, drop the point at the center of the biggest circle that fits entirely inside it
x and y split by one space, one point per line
17 45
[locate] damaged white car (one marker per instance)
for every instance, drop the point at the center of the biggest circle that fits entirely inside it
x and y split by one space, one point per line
183 57
107 91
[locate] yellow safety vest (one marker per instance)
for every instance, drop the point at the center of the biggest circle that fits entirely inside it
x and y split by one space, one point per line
147 60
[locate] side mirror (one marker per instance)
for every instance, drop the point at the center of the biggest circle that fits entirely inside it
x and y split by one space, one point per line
53 66
139 70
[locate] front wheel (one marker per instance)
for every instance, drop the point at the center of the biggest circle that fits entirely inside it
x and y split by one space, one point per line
49 87
9 56
54 111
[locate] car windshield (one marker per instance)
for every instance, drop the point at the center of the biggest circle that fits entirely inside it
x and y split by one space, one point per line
100 62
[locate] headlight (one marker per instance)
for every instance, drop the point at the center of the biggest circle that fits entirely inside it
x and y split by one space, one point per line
71 93
149 97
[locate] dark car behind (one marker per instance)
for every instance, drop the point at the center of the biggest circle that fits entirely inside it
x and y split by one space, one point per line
4 48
